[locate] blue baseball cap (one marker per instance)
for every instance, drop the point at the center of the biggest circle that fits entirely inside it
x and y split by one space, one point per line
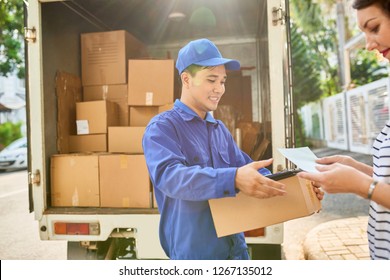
203 52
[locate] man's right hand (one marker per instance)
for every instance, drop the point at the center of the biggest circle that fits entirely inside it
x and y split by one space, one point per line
249 181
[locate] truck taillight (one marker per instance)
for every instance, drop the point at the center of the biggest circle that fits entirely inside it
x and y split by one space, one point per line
259 232
76 228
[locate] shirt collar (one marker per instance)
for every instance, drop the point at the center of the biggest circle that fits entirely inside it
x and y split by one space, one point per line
188 114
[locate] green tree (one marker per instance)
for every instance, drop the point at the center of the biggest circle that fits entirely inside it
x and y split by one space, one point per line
11 38
9 132
306 78
365 68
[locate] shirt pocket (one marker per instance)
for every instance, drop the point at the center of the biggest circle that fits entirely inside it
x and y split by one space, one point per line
224 159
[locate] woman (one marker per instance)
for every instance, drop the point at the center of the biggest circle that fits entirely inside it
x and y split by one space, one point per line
342 174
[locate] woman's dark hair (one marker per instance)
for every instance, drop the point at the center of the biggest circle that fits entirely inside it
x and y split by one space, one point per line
361 4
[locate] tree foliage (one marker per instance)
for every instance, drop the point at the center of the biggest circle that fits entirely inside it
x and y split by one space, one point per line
315 59
366 68
9 132
11 38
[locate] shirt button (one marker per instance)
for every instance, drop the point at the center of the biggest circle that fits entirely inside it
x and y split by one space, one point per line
226 192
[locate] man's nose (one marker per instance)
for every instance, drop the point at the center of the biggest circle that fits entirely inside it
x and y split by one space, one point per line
220 88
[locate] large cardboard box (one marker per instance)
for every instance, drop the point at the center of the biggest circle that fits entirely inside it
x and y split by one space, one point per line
75 180
150 82
88 143
123 139
104 56
124 181
242 213
94 117
114 93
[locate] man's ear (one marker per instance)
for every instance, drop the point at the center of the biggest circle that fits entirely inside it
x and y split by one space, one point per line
185 79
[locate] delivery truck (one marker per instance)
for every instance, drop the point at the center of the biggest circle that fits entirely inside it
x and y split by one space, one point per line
62 68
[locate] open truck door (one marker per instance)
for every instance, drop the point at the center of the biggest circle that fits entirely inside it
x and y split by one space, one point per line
256 107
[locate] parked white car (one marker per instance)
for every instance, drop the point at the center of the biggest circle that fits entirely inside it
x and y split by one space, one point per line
14 156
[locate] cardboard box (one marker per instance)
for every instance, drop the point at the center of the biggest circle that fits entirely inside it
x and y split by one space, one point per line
114 93
141 115
124 181
104 56
94 117
123 139
242 213
88 143
75 180
105 92
150 82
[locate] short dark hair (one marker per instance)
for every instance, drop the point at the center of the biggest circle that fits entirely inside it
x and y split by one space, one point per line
361 4
193 69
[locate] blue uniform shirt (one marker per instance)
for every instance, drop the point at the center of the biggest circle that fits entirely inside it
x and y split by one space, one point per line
190 161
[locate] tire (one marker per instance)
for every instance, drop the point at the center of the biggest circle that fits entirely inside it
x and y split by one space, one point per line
265 251
77 252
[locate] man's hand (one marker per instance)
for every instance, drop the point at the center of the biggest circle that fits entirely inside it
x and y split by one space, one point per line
252 183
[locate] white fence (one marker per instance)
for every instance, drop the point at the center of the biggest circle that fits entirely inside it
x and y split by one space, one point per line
350 120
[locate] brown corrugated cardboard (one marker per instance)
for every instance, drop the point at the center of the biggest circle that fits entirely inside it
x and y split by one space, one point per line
104 92
104 56
88 143
141 115
125 139
124 181
96 116
75 180
68 92
150 82
242 213
114 93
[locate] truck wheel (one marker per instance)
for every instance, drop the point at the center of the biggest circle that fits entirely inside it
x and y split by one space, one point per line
77 252
265 251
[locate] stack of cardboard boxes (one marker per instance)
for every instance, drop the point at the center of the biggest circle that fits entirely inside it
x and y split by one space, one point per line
122 90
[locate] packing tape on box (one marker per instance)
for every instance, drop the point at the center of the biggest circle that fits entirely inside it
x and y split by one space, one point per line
149 98
125 202
105 92
75 198
123 162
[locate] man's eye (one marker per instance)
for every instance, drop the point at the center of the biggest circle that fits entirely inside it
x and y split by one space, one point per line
211 81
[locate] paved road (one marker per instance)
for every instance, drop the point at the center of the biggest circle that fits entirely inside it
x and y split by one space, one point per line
19 238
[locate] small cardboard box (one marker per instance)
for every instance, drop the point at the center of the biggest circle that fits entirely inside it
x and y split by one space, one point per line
88 143
94 117
104 56
122 139
242 213
150 82
124 181
114 93
75 180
